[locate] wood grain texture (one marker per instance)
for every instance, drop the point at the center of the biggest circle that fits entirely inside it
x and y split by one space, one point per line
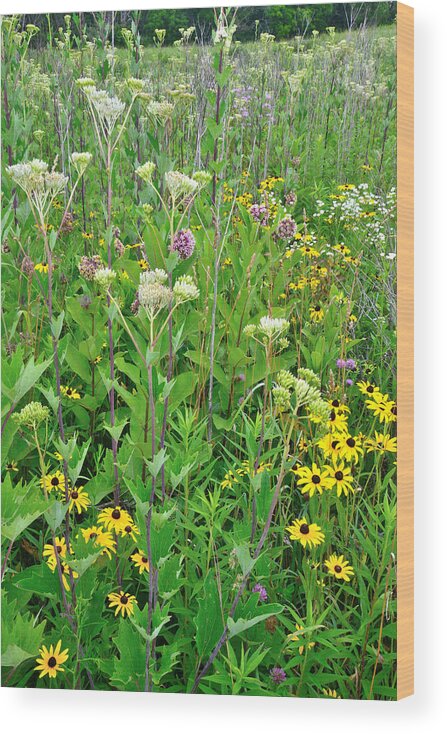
405 350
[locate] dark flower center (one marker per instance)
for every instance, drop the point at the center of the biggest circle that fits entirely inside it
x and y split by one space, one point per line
304 529
52 662
370 388
74 495
54 482
394 410
337 569
144 560
128 529
124 599
317 308
332 415
69 390
58 549
93 536
316 479
350 442
336 403
116 514
334 445
339 475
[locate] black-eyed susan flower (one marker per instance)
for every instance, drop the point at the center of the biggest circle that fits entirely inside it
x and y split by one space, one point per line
350 448
298 636
381 443
53 482
309 251
336 404
101 538
70 392
305 533
123 602
342 478
142 262
330 445
367 388
140 560
78 499
41 267
382 407
313 479
229 479
130 531
11 466
338 422
50 549
316 313
114 518
338 567
303 445
51 660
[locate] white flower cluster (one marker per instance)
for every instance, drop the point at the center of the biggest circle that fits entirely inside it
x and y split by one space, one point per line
269 328
185 289
287 387
104 278
146 171
273 328
364 213
153 295
80 161
40 185
162 110
108 107
179 185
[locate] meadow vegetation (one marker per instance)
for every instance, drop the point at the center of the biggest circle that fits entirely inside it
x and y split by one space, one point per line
198 362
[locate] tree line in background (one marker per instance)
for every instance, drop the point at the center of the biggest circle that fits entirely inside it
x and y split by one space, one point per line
282 21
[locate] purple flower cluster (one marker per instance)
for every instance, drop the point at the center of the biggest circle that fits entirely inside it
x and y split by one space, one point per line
286 228
278 675
290 198
261 590
27 266
183 243
89 265
349 364
242 99
260 213
119 247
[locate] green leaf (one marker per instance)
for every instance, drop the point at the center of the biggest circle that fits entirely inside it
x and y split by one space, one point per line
241 625
21 635
29 375
56 325
208 620
38 579
55 514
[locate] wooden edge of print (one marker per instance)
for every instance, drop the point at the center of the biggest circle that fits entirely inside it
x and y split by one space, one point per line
405 351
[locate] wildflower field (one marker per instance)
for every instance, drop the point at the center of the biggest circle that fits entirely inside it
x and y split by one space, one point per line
199 361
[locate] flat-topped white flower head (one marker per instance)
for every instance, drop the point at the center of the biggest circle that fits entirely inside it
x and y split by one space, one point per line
153 295
272 328
180 185
104 277
185 289
80 161
146 171
40 185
